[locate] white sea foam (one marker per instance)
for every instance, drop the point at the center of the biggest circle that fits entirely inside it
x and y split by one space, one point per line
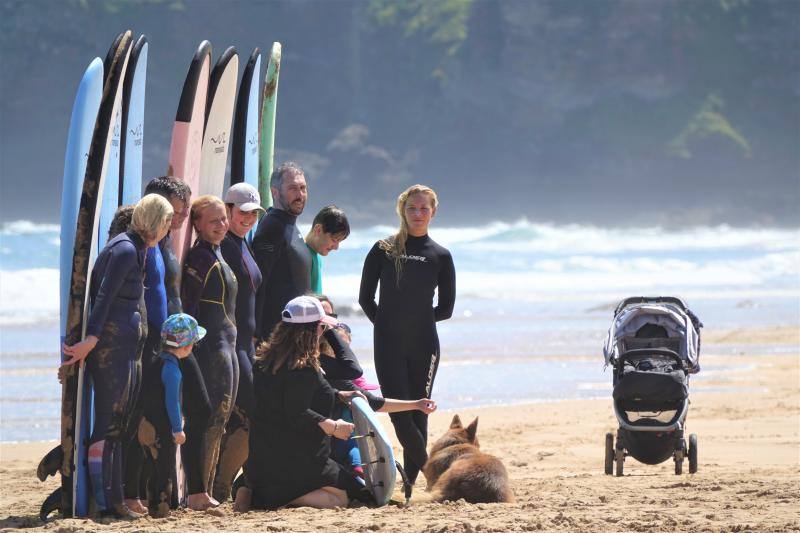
525 260
28 297
26 227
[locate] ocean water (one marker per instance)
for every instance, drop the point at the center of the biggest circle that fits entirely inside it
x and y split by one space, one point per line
534 302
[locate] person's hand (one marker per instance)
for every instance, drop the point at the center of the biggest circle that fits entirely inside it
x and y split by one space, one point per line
426 405
342 429
347 395
78 351
179 437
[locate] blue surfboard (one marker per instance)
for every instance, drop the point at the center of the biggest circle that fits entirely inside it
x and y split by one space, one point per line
79 140
133 90
377 457
244 142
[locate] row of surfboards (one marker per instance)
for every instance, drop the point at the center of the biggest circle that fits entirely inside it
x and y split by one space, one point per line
103 170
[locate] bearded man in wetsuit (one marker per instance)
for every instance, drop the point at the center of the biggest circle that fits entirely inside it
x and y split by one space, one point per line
279 248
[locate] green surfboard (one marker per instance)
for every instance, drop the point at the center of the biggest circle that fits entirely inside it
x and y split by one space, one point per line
269 102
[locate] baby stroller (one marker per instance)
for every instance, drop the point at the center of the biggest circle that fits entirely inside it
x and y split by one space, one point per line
653 346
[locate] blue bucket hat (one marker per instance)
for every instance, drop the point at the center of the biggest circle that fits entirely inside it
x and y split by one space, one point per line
181 330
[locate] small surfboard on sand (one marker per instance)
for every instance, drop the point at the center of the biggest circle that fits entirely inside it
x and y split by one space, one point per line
219 118
130 173
74 479
269 102
377 457
187 135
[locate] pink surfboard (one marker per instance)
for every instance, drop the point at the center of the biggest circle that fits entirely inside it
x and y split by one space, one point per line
187 135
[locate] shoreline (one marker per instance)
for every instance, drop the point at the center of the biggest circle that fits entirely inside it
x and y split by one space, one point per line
748 478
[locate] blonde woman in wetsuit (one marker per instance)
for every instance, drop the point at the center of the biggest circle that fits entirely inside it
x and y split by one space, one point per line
410 266
114 337
208 293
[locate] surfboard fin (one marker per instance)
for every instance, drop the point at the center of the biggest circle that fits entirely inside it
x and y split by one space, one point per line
51 503
407 487
50 463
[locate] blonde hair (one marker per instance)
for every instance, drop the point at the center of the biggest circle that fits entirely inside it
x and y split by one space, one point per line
151 215
201 202
396 244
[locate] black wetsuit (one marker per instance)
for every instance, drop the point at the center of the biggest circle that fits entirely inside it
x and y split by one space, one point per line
239 257
162 288
208 293
234 449
162 418
293 456
405 338
116 320
285 263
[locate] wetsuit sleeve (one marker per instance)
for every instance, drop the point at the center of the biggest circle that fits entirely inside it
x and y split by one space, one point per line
369 282
172 276
195 270
345 364
122 257
171 378
298 392
446 288
194 388
268 243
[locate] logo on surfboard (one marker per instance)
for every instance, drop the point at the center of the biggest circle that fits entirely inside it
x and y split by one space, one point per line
137 133
221 140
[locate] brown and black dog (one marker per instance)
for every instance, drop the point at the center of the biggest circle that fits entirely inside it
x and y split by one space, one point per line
457 468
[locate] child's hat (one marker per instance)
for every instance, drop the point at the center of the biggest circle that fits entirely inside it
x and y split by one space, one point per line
181 330
305 310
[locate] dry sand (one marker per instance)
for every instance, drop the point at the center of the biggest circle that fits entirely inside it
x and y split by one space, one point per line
747 421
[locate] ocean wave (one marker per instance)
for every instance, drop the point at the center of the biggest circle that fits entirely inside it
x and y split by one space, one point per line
29 297
26 227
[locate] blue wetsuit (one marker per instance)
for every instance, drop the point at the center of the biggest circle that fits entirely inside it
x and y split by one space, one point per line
115 319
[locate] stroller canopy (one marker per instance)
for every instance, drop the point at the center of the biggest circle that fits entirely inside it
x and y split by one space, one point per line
674 318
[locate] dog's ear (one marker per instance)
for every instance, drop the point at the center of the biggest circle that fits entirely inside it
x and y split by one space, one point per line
456 423
472 430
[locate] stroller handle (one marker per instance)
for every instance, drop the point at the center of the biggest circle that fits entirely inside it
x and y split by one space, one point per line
650 300
630 355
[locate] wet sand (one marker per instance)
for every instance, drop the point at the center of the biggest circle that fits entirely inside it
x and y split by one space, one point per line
748 427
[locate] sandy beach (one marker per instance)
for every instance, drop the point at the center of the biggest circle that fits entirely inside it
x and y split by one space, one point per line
747 422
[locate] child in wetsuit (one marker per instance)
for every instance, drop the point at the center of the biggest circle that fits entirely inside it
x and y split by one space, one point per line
163 410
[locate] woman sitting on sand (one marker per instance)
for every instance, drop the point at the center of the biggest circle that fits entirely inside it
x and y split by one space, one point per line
290 436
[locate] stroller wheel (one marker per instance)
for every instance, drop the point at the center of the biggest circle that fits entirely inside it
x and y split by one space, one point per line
620 458
692 453
609 454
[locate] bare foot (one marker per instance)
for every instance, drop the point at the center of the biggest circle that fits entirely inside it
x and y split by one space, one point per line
241 503
136 505
199 502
